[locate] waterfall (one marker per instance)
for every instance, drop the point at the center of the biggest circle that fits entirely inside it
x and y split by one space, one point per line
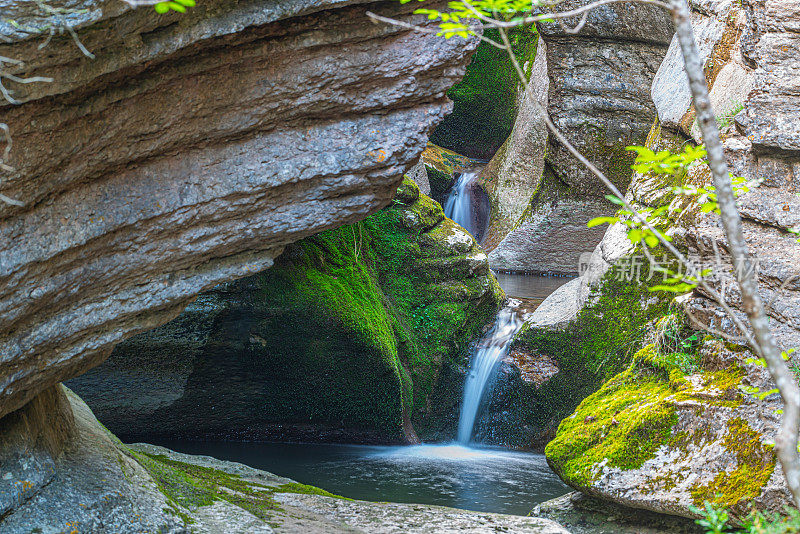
458 205
488 354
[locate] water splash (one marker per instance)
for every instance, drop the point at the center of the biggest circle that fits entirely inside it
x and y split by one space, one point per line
459 203
488 355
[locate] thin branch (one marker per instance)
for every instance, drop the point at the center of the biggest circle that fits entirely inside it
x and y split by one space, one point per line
547 17
693 270
422 29
4 166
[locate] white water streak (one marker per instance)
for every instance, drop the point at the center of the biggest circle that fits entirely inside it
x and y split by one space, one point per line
458 205
488 354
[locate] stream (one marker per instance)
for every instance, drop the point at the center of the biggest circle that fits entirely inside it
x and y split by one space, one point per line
481 479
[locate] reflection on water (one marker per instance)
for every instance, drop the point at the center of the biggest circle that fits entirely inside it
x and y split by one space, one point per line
482 479
530 287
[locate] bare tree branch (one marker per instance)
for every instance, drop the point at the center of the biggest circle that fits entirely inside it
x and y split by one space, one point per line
3 165
423 29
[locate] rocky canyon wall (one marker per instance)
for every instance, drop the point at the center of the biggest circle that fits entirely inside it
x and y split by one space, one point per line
596 87
348 337
707 439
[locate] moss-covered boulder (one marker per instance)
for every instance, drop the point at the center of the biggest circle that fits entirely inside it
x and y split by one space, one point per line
552 367
665 437
344 338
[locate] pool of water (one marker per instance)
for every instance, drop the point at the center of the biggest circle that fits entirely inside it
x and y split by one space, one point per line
481 479
534 288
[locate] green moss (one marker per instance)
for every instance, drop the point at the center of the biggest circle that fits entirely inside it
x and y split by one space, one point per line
438 298
358 321
189 486
485 100
622 425
632 415
755 463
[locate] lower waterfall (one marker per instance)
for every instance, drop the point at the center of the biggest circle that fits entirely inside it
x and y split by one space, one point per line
490 351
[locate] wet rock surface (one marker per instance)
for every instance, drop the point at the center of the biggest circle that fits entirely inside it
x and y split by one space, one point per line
103 486
581 514
189 153
388 518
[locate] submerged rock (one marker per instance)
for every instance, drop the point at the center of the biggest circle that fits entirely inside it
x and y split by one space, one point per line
189 153
343 339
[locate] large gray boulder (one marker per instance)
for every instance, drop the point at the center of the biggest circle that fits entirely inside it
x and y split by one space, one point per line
188 153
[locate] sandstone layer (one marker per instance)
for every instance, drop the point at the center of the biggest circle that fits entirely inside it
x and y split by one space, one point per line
189 153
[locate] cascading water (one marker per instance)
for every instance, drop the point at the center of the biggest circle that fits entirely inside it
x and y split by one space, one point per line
458 205
488 355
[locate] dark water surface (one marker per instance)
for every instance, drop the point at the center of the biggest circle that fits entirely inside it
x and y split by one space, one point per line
482 479
530 286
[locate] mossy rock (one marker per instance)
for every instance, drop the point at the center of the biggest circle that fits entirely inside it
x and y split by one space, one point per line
485 101
598 344
656 438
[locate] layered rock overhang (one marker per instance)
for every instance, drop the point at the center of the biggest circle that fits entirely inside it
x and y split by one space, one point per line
188 153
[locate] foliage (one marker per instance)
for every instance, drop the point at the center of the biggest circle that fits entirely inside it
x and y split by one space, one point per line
174 5
455 21
715 520
646 225
676 345
726 119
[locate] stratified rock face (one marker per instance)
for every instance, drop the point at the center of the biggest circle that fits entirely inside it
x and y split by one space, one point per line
189 153
662 436
600 82
342 340
748 66
596 86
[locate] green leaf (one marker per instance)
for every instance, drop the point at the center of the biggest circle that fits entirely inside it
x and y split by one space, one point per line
597 221
677 288
708 207
765 394
651 240
616 200
176 7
